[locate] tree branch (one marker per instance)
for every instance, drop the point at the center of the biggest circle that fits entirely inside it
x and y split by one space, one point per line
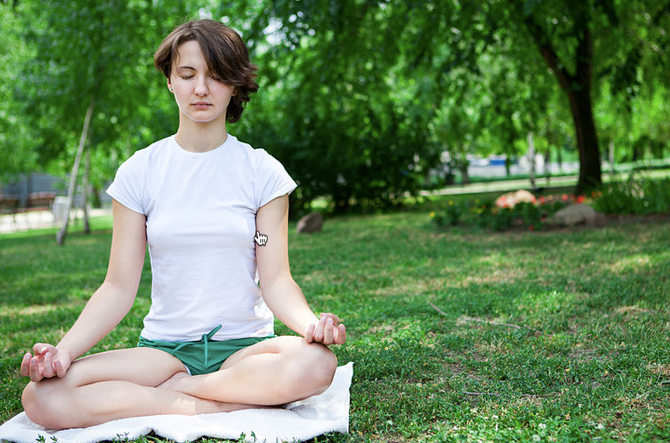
584 57
548 53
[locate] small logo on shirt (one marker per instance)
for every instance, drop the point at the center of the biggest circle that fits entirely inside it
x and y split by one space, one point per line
261 239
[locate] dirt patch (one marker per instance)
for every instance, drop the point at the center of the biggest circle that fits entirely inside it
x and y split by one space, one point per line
631 310
659 369
381 328
612 220
583 354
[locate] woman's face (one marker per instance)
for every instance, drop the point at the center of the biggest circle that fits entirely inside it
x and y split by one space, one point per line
200 98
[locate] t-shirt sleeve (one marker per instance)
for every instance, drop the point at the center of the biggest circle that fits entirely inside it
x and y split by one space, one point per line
128 185
272 181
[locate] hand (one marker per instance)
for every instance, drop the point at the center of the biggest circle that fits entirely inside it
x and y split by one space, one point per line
327 331
48 362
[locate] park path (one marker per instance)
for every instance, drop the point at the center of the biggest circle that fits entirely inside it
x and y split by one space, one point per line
25 221
502 186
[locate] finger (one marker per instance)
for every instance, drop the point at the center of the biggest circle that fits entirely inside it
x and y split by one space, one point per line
335 318
40 349
35 370
60 370
328 332
341 334
48 365
318 332
309 333
25 364
336 336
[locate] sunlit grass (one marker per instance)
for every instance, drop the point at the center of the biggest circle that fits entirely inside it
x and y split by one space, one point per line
553 336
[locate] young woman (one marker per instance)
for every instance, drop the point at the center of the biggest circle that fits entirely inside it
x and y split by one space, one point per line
214 213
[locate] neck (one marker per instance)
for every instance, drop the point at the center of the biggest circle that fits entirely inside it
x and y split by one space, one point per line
200 137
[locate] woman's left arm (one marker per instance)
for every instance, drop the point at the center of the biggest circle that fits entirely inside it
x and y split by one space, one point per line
280 292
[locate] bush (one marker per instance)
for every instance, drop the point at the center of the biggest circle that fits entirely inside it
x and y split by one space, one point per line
640 197
487 215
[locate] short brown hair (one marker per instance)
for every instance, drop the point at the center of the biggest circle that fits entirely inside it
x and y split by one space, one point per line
226 55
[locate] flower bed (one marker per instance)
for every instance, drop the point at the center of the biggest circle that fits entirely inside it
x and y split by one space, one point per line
523 210
505 212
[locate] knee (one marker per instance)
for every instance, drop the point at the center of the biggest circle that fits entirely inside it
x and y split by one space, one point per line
45 405
320 364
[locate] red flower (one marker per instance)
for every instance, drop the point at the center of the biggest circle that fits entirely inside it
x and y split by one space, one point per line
565 197
581 199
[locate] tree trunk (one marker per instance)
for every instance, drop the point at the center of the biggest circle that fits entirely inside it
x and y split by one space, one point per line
547 161
531 159
60 237
587 140
577 86
87 172
611 158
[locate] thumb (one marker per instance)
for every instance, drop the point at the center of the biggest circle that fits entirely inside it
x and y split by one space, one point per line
42 348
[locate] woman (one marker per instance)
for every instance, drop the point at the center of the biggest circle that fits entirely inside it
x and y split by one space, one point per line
214 212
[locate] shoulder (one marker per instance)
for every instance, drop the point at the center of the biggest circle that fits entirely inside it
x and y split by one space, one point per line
258 158
151 154
153 151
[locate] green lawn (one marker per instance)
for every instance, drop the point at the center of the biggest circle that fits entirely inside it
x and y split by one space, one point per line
458 335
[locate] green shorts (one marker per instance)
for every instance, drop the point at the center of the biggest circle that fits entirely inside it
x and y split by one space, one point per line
205 355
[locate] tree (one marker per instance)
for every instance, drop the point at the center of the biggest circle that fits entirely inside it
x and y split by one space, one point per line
332 108
15 133
581 41
85 74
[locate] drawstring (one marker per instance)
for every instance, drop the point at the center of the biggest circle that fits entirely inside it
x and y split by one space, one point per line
205 339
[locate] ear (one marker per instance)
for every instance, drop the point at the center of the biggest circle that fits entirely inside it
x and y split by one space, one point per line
169 85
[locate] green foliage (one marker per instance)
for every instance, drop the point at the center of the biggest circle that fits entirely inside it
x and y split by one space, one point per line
358 99
641 196
16 135
76 52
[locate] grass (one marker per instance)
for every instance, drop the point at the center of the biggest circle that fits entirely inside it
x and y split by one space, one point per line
552 336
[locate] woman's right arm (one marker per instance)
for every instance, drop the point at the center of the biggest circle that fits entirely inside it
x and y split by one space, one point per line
108 305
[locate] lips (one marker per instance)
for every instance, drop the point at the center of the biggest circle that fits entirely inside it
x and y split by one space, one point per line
201 105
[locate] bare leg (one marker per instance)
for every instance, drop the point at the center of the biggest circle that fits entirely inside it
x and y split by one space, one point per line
113 385
272 372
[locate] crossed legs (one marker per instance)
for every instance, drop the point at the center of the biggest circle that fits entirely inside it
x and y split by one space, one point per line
144 381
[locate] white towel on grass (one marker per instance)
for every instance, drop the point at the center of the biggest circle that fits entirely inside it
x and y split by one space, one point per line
301 420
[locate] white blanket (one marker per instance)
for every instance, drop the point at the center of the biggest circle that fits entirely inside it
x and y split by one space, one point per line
301 420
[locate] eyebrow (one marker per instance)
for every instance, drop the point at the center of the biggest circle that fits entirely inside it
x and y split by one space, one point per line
186 67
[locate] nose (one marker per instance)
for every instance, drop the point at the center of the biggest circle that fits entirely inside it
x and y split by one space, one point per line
201 88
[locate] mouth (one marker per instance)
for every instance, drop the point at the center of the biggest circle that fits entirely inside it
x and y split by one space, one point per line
201 105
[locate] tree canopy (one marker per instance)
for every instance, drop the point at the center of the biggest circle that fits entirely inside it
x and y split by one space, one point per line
359 99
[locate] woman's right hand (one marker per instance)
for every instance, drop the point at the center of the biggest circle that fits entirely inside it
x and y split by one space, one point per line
47 362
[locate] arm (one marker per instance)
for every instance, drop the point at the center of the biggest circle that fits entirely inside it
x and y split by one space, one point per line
280 291
108 305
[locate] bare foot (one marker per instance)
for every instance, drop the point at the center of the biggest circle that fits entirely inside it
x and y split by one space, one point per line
172 383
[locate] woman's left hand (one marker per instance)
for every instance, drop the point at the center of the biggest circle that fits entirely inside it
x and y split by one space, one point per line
328 331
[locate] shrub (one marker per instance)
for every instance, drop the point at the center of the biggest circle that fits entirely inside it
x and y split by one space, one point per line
641 197
487 215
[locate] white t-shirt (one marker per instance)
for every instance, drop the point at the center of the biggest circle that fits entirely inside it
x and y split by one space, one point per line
200 213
